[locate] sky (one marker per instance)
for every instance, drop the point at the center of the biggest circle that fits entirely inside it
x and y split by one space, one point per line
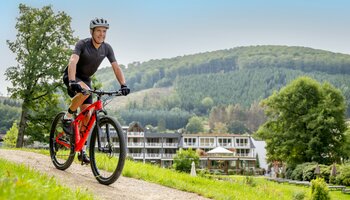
141 30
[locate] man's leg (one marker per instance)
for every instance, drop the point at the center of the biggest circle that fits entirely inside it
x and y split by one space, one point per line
77 100
83 126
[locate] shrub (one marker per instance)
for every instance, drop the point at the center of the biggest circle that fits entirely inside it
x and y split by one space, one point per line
10 138
332 179
297 173
319 190
308 172
343 177
289 172
249 181
299 195
184 158
325 172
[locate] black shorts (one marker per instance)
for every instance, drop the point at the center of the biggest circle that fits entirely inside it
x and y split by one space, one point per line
72 93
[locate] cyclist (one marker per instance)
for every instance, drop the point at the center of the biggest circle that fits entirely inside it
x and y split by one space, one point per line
83 63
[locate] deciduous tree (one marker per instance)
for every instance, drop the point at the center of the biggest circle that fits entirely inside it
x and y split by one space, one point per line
306 122
42 47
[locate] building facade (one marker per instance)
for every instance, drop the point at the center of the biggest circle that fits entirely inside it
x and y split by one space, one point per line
161 148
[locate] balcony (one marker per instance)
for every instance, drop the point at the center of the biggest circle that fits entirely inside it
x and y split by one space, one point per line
135 144
168 156
136 134
153 155
226 145
242 145
207 145
136 155
171 145
190 144
244 154
155 145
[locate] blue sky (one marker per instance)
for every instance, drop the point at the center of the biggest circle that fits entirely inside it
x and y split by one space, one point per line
152 29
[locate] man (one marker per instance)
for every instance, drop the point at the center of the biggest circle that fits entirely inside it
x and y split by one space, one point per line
83 63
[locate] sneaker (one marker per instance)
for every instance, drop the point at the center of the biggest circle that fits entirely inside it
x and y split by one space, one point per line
67 125
83 157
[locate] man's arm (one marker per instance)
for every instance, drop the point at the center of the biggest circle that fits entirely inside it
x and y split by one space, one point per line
72 66
118 73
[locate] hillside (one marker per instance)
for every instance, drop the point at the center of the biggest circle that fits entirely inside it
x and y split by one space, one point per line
138 97
240 75
160 73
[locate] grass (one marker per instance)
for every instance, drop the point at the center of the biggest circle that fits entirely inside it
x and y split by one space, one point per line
235 188
21 182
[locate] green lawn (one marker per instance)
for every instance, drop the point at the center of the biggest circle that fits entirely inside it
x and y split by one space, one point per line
20 182
236 188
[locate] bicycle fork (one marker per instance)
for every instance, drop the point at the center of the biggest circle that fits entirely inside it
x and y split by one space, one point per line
107 148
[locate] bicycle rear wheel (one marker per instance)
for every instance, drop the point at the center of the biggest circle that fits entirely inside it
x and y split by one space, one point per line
62 156
107 162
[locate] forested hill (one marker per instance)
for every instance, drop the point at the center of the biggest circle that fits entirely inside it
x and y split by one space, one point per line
160 73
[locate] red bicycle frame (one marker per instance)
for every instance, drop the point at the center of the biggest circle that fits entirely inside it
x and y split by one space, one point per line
81 139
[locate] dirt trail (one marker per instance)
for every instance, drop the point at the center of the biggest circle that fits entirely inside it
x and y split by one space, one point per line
81 176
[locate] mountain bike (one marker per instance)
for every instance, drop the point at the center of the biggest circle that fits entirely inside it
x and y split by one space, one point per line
107 149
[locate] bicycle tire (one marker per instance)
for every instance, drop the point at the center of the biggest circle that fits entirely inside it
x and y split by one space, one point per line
99 165
58 160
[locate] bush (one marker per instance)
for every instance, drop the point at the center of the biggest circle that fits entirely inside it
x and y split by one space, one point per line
332 179
297 173
202 172
289 172
325 172
299 195
10 138
184 158
309 172
319 190
249 181
343 177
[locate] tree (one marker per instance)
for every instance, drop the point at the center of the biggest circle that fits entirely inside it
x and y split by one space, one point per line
42 47
237 127
11 136
257 164
206 104
306 122
184 158
195 125
220 128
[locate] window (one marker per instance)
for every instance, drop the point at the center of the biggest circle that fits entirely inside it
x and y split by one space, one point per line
190 141
207 141
242 152
242 141
225 141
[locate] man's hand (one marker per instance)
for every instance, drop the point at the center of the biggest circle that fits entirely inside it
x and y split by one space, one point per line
74 86
124 89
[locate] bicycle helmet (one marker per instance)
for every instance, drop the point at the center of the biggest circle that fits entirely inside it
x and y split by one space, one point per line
98 22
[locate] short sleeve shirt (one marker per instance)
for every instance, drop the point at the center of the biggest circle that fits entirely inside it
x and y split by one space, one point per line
90 58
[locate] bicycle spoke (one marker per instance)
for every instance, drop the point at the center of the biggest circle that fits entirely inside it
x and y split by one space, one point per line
108 159
61 154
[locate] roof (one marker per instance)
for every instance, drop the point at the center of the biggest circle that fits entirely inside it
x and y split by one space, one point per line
214 135
162 135
219 150
135 126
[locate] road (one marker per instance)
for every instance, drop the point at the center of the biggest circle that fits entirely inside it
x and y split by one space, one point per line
81 176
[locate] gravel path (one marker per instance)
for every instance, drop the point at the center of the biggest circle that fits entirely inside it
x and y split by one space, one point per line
81 176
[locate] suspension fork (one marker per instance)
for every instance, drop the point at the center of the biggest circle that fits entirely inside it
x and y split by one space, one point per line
99 132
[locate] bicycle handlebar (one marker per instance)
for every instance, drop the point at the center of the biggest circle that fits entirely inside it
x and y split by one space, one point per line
101 93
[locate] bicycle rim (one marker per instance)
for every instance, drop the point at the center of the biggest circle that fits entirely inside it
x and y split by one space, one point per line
107 163
61 156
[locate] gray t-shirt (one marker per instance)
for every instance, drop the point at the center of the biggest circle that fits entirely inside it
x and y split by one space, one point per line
90 58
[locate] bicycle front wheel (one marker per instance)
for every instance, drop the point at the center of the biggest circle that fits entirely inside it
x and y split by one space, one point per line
61 149
108 158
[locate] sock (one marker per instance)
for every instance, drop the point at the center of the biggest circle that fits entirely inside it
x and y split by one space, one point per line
66 117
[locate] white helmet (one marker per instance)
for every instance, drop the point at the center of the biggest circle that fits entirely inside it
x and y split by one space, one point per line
98 22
